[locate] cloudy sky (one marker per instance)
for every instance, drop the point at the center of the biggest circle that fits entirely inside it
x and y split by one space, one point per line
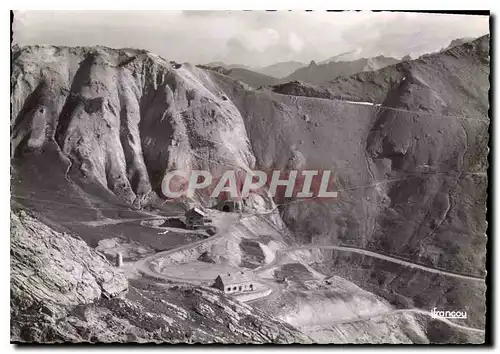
254 38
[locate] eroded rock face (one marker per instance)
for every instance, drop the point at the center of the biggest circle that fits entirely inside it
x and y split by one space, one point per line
52 267
122 118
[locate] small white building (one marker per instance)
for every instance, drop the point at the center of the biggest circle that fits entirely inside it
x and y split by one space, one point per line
238 282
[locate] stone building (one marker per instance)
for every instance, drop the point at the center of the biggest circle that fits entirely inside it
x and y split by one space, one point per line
195 218
238 282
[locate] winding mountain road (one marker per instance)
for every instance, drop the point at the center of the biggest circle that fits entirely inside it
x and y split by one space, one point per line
220 221
281 254
224 223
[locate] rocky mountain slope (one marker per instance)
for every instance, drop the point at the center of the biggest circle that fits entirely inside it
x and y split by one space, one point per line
349 55
63 291
47 266
277 71
430 137
411 173
471 57
121 118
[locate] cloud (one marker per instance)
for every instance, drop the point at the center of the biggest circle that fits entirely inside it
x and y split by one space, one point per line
261 39
295 42
254 38
412 33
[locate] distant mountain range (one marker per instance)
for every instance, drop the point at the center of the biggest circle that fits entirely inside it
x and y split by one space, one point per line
316 74
278 70
341 65
345 56
312 73
217 64
281 70
249 77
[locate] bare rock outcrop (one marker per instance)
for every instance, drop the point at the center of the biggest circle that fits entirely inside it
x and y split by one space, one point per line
52 267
